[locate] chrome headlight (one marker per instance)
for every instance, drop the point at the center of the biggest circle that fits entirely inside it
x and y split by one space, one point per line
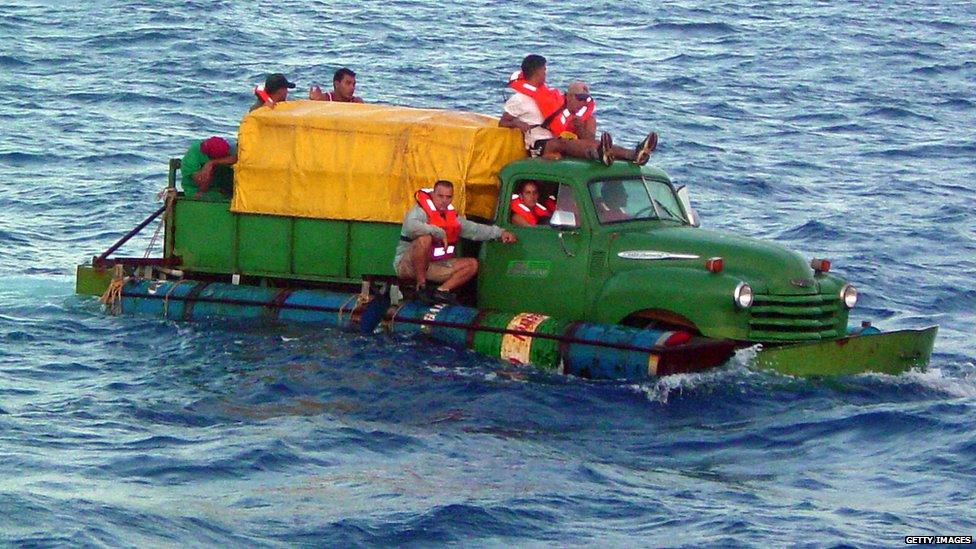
848 294
742 295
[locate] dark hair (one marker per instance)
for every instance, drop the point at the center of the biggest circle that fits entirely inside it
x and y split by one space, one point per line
523 184
342 73
531 64
443 183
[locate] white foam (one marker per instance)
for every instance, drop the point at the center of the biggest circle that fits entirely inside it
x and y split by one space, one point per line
935 379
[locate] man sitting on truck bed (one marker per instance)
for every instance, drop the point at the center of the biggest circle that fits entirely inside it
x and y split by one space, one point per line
544 114
427 242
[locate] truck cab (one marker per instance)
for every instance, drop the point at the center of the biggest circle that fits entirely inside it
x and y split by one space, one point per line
623 247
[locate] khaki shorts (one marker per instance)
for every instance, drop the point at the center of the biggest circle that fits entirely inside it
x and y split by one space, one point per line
437 271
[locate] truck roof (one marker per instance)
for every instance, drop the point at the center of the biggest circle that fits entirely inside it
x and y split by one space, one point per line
580 170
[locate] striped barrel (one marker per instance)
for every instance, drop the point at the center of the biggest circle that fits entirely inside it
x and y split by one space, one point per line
409 317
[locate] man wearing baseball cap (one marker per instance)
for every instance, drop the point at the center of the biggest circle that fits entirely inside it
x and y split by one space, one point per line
275 90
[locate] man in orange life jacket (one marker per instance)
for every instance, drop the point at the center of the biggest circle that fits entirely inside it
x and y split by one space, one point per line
343 88
427 243
526 209
542 114
275 91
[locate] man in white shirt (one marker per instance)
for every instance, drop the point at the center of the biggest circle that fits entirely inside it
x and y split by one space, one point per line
524 113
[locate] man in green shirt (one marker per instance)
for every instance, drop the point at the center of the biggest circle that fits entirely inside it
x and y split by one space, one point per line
206 169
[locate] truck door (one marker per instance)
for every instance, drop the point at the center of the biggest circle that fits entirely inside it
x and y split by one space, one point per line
545 271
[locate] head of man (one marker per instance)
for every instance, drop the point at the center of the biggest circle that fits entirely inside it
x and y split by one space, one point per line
442 194
576 95
215 147
277 86
613 194
534 69
344 84
529 194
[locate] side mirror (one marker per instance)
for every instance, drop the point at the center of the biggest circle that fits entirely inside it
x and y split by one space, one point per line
693 220
563 220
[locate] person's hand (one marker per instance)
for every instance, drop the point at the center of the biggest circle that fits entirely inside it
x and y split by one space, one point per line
204 174
508 238
315 93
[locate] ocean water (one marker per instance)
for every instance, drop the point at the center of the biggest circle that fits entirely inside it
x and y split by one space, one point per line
839 129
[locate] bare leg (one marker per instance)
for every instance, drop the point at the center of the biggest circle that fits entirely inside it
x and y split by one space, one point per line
622 153
464 270
420 256
577 148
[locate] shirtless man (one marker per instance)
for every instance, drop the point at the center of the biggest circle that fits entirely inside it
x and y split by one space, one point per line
343 88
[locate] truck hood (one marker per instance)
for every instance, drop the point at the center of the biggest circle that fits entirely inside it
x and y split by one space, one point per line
767 267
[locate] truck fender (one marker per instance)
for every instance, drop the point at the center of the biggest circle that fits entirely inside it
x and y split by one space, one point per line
701 297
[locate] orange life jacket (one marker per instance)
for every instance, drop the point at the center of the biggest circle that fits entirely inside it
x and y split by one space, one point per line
556 116
550 203
608 214
447 220
559 121
262 95
549 100
531 215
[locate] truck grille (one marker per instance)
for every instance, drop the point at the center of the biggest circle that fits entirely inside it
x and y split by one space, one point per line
795 318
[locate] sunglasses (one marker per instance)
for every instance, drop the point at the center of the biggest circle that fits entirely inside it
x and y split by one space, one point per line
581 96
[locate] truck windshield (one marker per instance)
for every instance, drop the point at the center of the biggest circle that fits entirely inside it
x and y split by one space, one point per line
620 200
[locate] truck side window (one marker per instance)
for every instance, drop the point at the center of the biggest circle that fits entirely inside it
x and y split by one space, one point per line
565 202
533 203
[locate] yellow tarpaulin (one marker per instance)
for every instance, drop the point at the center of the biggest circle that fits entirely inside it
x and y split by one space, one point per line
364 162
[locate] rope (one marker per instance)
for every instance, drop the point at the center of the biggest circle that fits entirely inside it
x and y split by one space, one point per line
112 298
393 318
168 195
166 297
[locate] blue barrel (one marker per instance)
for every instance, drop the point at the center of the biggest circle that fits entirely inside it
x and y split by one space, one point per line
159 298
219 300
606 362
448 314
190 299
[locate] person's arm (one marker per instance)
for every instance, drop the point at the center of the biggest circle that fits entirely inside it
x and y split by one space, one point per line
513 112
477 231
415 224
509 121
586 129
520 221
204 175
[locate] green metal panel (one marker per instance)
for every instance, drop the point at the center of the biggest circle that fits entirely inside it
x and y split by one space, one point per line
92 281
890 353
264 244
371 248
204 235
320 247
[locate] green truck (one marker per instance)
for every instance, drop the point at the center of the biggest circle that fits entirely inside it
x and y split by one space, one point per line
650 266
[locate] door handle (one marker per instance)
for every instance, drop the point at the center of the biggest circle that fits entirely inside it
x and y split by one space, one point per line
562 244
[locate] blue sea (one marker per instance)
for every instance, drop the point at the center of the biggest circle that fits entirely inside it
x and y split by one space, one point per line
844 130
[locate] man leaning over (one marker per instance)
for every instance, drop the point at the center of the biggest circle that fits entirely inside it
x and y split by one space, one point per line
430 232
